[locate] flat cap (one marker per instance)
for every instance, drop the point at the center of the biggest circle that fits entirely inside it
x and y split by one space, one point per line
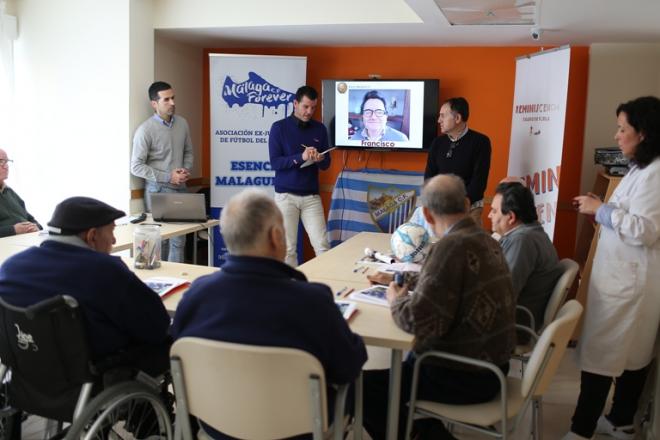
77 214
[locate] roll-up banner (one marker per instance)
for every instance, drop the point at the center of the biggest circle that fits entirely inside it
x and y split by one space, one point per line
248 94
537 127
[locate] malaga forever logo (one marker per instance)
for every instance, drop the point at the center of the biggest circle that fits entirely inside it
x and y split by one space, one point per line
255 90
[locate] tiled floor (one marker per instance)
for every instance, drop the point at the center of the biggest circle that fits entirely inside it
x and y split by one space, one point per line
558 404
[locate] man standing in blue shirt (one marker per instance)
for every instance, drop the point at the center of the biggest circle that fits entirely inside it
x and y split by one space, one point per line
296 145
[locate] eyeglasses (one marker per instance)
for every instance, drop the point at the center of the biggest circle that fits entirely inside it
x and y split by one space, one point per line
452 147
368 113
4 162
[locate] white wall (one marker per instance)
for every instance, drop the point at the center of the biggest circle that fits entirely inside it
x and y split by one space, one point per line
617 73
72 100
11 7
141 75
82 71
181 66
215 13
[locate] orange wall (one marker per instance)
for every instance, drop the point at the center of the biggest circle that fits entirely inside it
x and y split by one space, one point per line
484 75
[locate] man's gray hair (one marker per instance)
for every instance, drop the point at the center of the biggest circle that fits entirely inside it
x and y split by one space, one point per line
246 218
444 195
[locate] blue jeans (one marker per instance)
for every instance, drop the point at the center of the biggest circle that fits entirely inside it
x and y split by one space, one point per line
177 245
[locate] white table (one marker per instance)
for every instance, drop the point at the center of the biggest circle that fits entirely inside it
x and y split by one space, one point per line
188 272
123 236
336 268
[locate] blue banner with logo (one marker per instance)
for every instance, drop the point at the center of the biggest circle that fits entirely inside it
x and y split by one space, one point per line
248 94
371 200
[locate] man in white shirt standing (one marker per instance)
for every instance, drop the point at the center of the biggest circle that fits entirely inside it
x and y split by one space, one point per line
163 154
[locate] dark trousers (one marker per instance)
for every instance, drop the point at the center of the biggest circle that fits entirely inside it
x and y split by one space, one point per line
593 396
436 383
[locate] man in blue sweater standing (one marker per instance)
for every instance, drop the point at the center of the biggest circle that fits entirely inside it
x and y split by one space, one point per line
296 145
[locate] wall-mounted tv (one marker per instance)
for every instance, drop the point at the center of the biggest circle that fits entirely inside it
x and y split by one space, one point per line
396 115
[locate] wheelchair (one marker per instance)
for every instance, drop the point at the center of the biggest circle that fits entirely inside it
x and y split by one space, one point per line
46 370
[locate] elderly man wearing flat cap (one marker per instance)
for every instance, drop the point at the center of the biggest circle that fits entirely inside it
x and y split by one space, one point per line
121 313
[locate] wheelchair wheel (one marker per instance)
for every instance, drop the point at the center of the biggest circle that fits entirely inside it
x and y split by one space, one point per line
129 410
10 418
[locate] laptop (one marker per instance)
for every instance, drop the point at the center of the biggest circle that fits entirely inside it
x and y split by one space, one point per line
178 207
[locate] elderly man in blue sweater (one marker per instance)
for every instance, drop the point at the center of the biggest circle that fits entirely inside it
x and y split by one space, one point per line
121 314
296 145
257 299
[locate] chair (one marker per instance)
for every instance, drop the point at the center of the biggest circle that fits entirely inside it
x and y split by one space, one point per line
515 393
569 271
254 392
47 367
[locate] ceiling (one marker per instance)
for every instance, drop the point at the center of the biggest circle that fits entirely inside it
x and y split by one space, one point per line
414 23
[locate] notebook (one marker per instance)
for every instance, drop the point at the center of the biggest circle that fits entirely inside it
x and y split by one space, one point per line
178 207
372 295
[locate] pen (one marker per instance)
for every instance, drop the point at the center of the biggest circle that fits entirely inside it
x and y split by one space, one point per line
348 292
339 294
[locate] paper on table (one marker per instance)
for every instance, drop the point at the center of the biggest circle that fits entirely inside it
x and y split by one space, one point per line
309 162
391 268
372 295
163 286
401 267
346 308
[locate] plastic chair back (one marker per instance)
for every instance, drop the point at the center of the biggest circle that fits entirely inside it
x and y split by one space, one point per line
569 271
248 391
555 337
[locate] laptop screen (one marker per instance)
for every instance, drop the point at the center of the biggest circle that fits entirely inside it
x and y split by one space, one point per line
178 207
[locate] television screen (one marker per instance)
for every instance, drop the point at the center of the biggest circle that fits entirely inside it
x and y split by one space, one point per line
385 115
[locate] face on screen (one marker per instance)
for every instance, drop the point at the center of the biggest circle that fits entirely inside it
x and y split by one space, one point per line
374 116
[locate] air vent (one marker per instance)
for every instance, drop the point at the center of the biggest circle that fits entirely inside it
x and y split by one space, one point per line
488 12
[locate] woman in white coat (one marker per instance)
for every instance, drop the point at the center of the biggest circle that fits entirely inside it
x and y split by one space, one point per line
623 303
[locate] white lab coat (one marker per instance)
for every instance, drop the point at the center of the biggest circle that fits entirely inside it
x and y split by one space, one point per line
623 302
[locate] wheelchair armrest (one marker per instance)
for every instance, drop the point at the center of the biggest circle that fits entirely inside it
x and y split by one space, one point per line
49 304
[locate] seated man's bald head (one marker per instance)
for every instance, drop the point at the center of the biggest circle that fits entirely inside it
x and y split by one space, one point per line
445 194
247 220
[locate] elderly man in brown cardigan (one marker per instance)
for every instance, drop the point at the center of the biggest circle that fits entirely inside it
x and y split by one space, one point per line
461 302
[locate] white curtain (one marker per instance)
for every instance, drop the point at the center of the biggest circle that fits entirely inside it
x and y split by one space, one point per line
6 77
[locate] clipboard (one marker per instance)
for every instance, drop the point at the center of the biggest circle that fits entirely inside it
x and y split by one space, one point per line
309 162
